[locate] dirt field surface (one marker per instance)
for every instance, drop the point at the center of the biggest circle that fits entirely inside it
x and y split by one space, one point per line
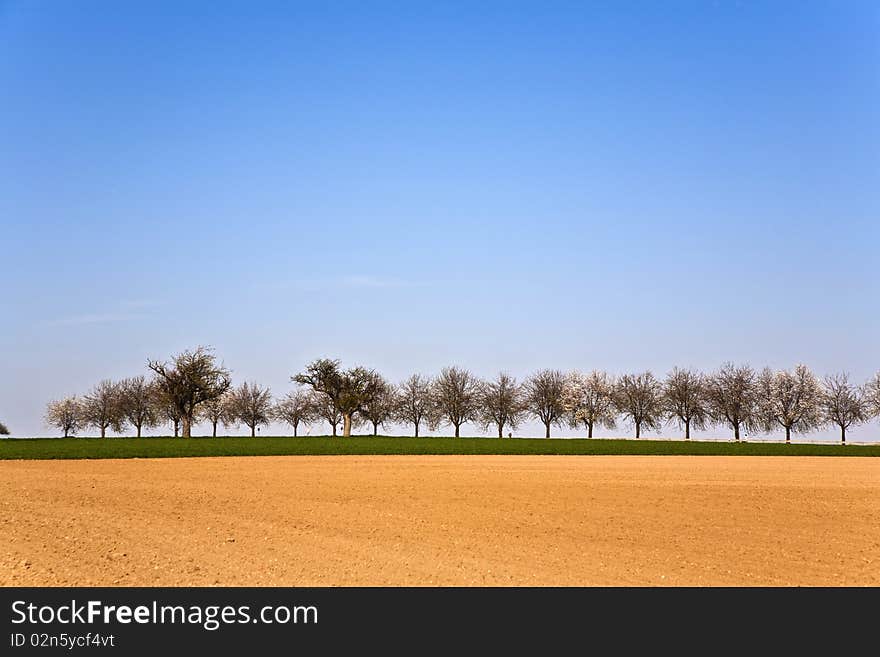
441 520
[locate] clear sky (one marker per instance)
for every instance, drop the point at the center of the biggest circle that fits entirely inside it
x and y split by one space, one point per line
621 186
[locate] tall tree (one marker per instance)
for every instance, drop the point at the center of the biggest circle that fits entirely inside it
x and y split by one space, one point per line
732 397
843 404
379 406
137 403
455 395
101 408
791 399
251 404
188 381
216 410
347 390
295 408
639 397
544 394
685 399
65 415
588 399
414 402
501 404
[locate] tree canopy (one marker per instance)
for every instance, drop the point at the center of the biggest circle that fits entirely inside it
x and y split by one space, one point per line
348 390
190 379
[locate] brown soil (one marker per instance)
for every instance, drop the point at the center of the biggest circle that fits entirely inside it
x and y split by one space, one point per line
441 520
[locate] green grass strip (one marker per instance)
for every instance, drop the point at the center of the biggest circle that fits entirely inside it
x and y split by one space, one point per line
121 448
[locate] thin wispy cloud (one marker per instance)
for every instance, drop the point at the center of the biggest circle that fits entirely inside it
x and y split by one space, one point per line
356 281
141 303
96 318
376 282
129 310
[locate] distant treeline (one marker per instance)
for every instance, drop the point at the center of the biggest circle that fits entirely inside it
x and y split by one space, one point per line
192 387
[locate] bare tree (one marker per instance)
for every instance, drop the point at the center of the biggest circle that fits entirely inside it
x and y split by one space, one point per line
639 397
325 409
732 397
790 399
843 404
66 415
188 381
216 411
414 402
4 431
167 411
380 405
295 408
589 400
251 404
137 403
872 395
456 397
685 399
543 395
101 408
501 404
348 390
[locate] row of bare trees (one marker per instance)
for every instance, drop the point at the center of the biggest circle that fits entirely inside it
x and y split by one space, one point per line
193 388
178 392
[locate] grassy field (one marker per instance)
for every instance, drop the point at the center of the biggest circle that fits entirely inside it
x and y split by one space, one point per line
107 448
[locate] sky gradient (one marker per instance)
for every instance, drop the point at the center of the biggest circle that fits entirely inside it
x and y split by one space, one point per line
621 186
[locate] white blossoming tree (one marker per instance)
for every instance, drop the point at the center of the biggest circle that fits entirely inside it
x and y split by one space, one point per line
588 399
790 399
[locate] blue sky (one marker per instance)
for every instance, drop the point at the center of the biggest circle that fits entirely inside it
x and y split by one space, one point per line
621 186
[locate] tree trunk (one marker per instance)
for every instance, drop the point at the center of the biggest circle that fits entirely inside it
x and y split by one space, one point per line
375 428
687 429
254 431
456 430
417 429
589 429
176 423
138 431
500 430
547 432
788 434
346 425
66 432
103 431
736 431
638 429
295 424
334 429
187 427
842 435
214 429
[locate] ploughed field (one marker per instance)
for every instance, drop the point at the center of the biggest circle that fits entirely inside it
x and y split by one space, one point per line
441 520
